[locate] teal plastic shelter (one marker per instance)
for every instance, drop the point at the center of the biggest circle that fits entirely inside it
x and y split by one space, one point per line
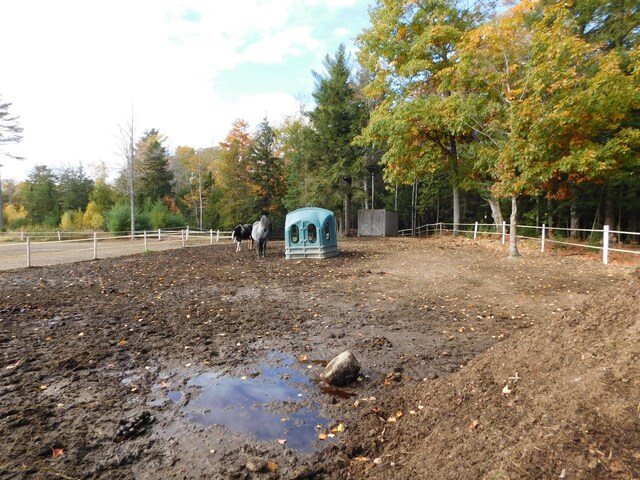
310 233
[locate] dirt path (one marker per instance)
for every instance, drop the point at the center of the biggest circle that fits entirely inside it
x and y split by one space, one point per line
226 363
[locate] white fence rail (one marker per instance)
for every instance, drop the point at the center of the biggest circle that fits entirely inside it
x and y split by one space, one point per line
595 240
18 249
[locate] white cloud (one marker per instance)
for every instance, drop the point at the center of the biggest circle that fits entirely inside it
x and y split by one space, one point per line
73 68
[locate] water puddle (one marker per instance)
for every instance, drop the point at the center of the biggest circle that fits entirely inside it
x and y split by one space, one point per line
267 404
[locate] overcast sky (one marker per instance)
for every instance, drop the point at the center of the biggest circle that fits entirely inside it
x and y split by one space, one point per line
73 69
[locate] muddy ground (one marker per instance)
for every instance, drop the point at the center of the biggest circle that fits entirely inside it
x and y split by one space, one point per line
203 363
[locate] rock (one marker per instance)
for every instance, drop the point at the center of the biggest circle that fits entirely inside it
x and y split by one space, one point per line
256 464
341 370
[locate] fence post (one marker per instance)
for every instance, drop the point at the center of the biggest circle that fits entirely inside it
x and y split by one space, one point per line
182 236
542 238
159 234
22 235
426 230
218 236
211 236
59 237
95 245
28 251
605 245
145 240
504 231
440 227
475 231
187 235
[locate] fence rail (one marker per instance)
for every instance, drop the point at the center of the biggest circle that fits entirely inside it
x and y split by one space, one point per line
597 239
20 249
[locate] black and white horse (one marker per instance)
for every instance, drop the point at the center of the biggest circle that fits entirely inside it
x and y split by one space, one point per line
242 232
260 235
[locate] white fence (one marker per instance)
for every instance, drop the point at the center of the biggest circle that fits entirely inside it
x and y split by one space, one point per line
596 239
18 249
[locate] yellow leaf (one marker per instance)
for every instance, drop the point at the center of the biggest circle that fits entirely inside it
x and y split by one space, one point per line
361 459
338 428
303 358
392 419
122 342
43 387
398 413
272 466
322 436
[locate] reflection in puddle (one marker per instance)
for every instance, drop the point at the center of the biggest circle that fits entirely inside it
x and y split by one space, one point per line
267 405
174 396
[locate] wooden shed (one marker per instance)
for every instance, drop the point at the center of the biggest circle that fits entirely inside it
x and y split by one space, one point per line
310 233
377 223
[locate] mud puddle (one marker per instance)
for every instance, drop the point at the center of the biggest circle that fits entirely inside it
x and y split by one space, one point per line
275 402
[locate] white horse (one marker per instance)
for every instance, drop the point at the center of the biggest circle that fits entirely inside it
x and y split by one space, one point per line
260 235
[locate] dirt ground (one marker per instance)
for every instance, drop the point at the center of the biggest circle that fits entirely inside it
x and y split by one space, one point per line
204 363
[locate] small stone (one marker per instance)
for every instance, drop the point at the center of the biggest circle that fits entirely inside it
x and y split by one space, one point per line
256 464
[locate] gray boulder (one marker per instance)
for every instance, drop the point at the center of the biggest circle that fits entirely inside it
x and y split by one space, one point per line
341 370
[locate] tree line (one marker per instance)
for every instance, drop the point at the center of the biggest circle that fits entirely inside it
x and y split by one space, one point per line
452 111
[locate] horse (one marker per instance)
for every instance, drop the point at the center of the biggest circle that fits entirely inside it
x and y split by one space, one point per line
242 232
260 234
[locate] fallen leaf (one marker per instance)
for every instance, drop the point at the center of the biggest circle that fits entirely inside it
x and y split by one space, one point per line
282 441
399 413
412 412
322 436
43 387
377 461
506 390
272 466
472 426
13 365
361 459
303 358
356 403
122 342
338 428
392 419
57 452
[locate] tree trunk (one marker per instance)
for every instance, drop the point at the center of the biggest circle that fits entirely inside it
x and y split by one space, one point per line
513 238
575 220
366 193
456 210
395 202
347 214
496 213
610 212
1 206
200 195
414 216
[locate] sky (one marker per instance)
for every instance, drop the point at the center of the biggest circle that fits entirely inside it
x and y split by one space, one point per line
75 70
